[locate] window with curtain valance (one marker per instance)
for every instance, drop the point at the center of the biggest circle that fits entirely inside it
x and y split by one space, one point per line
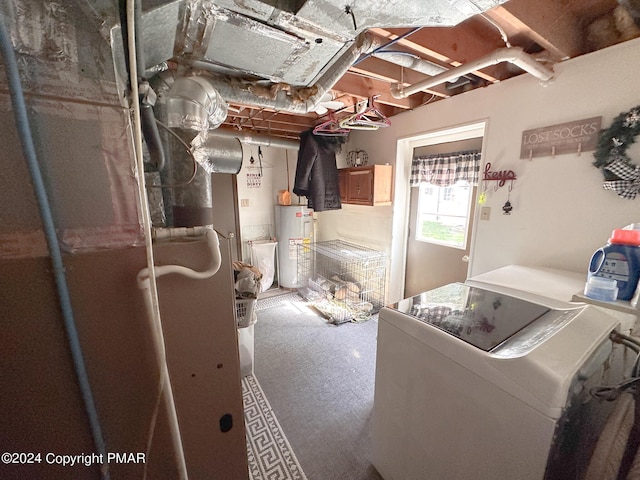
446 169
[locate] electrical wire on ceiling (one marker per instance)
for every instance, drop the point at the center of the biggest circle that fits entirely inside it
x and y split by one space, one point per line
349 11
388 44
503 34
433 97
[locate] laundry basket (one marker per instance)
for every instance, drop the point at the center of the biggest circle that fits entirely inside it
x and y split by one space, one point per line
245 312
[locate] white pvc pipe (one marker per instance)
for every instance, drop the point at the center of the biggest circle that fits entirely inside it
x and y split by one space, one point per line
150 287
146 283
214 247
515 55
165 390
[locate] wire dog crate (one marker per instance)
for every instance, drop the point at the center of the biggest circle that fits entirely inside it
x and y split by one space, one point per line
344 281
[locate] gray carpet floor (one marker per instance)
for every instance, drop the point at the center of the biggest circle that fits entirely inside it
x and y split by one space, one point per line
319 380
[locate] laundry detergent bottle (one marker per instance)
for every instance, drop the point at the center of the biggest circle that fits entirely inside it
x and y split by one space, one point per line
619 260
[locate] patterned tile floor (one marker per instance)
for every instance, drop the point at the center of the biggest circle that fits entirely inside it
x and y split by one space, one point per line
269 452
273 301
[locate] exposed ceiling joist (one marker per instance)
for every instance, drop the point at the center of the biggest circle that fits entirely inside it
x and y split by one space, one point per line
548 31
428 52
367 87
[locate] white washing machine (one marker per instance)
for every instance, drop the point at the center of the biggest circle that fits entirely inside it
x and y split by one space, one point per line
473 384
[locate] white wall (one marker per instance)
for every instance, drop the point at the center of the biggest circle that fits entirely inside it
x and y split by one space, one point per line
561 213
257 217
353 223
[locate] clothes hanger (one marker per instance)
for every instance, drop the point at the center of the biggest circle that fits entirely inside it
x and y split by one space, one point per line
351 123
372 116
368 119
330 128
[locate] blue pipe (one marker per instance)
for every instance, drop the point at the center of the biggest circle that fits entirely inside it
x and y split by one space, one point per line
28 148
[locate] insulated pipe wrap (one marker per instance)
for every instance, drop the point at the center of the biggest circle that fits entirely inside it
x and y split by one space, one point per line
282 101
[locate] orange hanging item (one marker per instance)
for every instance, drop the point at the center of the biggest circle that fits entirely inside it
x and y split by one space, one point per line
284 196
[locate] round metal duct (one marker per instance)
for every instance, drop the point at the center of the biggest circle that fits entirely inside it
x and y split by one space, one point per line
193 104
218 154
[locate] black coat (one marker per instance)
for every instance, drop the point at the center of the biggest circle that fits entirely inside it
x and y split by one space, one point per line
317 173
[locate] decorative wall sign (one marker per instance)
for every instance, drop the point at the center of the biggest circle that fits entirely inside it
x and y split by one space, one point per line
498 176
254 180
572 137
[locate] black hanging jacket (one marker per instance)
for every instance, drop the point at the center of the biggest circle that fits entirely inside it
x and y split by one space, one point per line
317 173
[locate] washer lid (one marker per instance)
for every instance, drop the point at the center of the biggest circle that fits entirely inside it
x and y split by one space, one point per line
480 317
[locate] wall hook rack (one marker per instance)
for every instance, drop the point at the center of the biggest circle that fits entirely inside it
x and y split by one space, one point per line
500 177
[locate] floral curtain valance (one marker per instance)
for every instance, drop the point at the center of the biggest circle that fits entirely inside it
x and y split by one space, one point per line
447 169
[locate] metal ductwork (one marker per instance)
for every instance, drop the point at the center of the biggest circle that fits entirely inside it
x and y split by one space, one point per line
277 97
249 138
411 61
281 55
194 104
294 100
514 55
217 153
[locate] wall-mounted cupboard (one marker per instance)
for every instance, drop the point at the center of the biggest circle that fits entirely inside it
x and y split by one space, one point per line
368 185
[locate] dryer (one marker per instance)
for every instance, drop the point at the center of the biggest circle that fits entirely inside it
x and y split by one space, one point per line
479 384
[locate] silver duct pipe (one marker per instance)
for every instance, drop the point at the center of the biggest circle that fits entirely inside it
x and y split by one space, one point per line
218 154
249 138
283 101
191 205
411 61
515 55
193 104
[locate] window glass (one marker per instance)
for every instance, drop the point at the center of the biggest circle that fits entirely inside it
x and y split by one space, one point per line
443 214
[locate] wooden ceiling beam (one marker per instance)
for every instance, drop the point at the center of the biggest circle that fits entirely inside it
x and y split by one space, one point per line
240 122
556 27
392 73
290 132
551 24
459 44
366 87
427 52
253 113
480 40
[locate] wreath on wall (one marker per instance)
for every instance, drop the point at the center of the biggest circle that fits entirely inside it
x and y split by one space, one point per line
620 174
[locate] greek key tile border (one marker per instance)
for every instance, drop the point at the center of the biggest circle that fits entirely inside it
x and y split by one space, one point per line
269 453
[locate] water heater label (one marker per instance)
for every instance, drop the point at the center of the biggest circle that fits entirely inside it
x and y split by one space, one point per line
293 247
